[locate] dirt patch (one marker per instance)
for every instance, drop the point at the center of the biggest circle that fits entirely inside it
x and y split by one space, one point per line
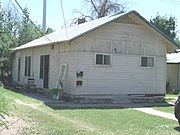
15 126
77 123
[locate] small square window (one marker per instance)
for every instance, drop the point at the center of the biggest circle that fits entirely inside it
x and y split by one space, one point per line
78 83
102 59
147 61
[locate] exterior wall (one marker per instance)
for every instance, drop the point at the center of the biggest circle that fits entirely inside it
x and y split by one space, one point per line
126 43
172 76
60 54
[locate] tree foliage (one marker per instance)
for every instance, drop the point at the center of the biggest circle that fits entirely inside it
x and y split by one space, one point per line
166 24
99 8
3 109
15 30
9 22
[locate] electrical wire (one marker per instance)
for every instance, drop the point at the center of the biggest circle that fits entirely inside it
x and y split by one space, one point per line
64 18
28 19
172 2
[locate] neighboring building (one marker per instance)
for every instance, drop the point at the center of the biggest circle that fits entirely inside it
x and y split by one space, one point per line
114 56
173 71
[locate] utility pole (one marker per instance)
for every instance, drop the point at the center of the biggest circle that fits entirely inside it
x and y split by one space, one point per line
44 15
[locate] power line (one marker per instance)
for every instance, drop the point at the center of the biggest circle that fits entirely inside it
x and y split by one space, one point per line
172 2
64 18
28 19
15 7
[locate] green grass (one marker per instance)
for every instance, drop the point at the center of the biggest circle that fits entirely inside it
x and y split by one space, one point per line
172 95
168 109
47 121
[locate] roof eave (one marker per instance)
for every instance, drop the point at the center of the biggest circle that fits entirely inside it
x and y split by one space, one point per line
40 45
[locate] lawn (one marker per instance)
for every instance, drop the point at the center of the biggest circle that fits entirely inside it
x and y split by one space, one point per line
123 121
169 109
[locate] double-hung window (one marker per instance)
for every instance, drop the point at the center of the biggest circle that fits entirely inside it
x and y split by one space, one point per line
27 66
103 59
147 61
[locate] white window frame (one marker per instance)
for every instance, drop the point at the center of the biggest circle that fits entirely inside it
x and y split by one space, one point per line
103 59
147 64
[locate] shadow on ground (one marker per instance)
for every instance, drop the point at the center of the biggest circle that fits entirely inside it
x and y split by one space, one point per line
61 104
177 129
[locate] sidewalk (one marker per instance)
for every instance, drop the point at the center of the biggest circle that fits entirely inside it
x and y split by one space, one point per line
143 108
157 113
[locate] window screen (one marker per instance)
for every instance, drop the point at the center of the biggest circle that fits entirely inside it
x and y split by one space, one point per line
102 59
147 61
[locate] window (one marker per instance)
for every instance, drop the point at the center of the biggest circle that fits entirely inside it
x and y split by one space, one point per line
147 61
28 66
102 59
78 83
42 61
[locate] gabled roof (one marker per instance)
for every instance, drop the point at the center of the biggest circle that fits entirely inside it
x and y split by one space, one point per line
79 30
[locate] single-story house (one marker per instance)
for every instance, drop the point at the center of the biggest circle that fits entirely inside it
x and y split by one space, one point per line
173 71
114 56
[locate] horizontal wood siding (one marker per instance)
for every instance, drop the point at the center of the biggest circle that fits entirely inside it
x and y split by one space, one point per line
124 76
60 54
125 43
121 38
172 76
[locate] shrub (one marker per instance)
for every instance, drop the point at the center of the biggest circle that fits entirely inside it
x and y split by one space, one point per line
56 92
3 109
173 91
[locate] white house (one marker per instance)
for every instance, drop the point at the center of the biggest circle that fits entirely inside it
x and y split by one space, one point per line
117 55
173 71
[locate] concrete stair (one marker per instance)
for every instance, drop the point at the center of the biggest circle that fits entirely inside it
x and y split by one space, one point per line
115 99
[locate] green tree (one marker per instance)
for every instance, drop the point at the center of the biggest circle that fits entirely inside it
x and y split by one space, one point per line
15 30
3 110
29 31
9 23
177 40
165 24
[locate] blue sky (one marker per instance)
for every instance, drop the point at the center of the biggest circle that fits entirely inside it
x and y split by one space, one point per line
147 8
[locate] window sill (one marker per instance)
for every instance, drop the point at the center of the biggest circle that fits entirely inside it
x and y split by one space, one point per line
103 66
147 67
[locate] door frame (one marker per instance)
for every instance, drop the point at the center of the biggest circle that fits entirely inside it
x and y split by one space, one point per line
44 70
